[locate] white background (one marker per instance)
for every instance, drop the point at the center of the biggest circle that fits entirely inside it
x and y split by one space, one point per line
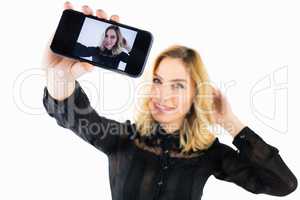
251 51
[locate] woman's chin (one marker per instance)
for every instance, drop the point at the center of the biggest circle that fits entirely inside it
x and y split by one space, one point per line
163 117
108 47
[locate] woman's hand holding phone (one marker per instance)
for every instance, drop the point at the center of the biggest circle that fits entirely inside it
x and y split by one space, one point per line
61 72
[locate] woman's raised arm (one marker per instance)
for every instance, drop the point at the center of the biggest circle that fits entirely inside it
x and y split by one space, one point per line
76 113
65 100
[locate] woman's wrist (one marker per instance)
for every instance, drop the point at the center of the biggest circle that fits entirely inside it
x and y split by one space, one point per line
233 125
59 86
61 90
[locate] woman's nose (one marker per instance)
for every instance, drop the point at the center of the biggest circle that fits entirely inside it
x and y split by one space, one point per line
165 93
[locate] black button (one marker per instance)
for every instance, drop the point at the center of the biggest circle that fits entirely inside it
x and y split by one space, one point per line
166 167
166 151
160 183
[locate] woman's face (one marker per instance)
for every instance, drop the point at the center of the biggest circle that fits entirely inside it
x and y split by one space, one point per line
110 39
172 92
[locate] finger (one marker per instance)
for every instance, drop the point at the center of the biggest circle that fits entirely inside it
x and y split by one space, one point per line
87 10
77 70
101 14
87 66
115 18
218 93
213 89
68 5
215 93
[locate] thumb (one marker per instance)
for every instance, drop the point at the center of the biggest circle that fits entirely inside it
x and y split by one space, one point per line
80 68
88 67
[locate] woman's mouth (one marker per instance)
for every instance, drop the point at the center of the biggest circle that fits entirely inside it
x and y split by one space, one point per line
162 108
107 44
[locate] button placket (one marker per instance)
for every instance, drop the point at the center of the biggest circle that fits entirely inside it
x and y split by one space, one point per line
160 184
164 163
166 144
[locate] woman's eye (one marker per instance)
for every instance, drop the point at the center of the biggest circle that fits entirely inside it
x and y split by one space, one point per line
156 80
178 86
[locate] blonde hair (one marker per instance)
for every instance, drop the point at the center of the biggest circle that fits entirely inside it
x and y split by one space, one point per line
194 133
121 41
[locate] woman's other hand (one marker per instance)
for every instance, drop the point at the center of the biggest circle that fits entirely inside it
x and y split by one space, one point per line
223 114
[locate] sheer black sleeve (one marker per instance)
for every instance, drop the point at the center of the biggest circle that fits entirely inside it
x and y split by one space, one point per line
255 165
75 113
84 51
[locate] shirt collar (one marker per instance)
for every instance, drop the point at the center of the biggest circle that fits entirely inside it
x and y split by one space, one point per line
168 141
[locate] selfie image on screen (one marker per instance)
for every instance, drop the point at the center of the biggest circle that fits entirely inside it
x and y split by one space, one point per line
103 43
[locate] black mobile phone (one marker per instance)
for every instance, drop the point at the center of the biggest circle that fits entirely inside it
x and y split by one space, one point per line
104 43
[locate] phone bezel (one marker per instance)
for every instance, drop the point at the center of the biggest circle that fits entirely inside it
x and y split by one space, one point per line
65 37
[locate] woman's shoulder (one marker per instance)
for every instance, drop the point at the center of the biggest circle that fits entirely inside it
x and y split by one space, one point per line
124 50
216 149
124 53
130 130
218 145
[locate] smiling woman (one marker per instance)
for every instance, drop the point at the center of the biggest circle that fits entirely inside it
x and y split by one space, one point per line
180 82
111 51
168 153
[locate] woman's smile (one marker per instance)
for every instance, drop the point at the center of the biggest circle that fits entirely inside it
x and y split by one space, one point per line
162 108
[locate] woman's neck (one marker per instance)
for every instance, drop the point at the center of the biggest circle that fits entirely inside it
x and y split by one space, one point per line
170 127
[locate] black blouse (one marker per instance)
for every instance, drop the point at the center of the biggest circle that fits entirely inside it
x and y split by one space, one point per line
105 59
152 167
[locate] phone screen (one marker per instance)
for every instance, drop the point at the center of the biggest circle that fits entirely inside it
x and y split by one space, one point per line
103 43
